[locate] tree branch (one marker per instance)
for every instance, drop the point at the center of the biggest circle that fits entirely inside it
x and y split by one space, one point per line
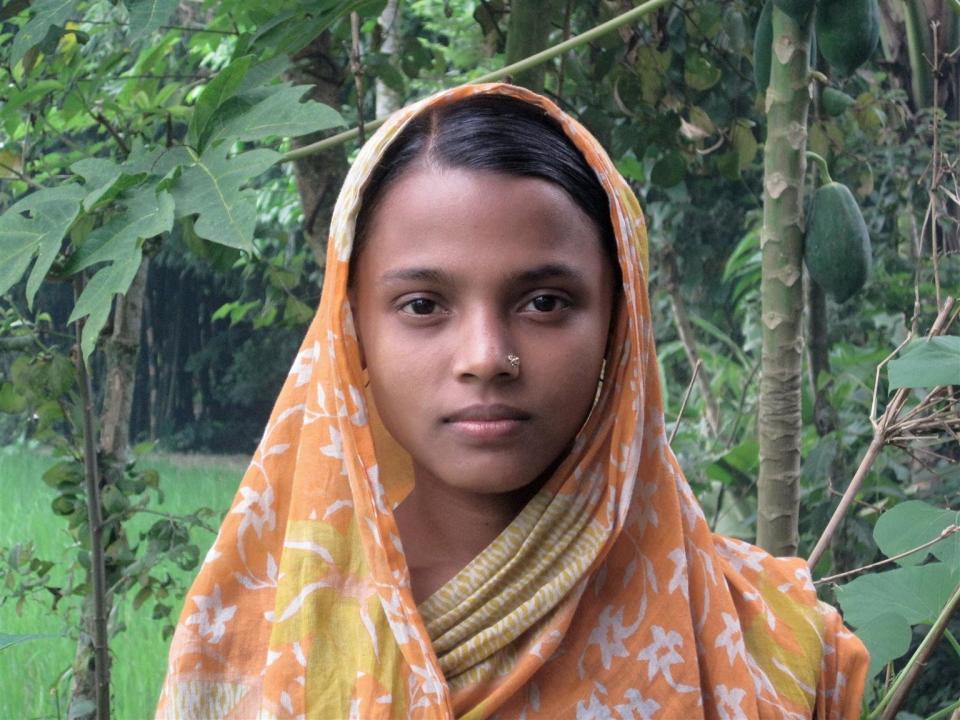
883 429
599 31
945 533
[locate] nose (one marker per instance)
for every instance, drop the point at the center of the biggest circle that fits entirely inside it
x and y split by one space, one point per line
483 348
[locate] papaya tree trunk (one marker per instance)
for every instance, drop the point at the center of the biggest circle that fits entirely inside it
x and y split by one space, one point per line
787 105
527 33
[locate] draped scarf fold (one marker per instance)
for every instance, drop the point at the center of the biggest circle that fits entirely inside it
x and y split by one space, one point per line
607 597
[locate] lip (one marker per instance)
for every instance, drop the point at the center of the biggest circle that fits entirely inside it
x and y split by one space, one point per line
487 422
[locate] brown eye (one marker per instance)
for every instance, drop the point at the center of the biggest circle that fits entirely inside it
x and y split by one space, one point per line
546 304
420 306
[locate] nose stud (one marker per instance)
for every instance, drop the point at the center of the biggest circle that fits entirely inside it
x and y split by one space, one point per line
514 361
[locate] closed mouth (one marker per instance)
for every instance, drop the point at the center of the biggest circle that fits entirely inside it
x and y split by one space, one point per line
481 414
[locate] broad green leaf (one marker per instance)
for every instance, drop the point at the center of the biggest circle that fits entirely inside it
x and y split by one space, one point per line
927 363
669 170
52 212
887 637
281 114
263 73
210 189
10 400
916 593
101 176
7 640
146 16
46 14
913 523
31 92
146 214
217 91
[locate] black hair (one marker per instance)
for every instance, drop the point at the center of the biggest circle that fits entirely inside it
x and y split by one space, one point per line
495 133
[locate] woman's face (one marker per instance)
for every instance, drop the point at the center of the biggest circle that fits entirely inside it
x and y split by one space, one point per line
460 270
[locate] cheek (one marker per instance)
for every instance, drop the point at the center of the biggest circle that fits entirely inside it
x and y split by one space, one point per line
400 379
571 374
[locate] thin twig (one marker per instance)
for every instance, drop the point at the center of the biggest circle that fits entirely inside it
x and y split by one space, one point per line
683 405
935 160
945 533
102 119
186 28
21 176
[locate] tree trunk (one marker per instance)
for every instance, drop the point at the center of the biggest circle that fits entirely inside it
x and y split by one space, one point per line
318 176
787 103
121 351
388 100
527 33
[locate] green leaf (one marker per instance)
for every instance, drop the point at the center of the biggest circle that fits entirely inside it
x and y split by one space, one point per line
217 91
11 401
52 211
46 14
99 174
913 523
887 637
280 114
146 213
916 593
146 16
11 640
210 189
669 170
700 73
927 363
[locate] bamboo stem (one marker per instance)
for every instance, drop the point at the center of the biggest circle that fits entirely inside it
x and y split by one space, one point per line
541 57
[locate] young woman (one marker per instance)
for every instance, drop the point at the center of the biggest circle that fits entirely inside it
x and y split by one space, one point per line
463 505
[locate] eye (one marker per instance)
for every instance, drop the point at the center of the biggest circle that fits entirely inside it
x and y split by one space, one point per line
419 306
545 304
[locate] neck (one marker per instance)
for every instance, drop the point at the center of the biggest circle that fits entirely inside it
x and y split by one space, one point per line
443 528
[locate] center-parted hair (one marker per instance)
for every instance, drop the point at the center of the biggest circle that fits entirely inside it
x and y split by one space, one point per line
491 133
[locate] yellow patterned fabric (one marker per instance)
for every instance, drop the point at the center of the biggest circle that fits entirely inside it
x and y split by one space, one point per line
607 598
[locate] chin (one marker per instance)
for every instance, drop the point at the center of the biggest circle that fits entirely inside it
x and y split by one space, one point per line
486 478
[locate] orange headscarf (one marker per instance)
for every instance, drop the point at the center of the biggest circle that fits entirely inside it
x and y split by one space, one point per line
607 598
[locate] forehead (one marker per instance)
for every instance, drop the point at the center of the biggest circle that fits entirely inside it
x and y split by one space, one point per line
477 219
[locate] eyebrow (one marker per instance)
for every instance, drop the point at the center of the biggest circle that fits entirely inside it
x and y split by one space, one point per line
540 273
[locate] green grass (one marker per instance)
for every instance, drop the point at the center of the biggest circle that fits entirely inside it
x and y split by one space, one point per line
32 680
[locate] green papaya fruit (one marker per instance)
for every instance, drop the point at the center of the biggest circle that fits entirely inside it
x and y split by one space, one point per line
763 47
837 245
835 102
848 32
799 10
